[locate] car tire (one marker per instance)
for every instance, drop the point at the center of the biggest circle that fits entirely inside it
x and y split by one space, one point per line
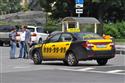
71 59
102 61
1 43
40 40
37 58
65 62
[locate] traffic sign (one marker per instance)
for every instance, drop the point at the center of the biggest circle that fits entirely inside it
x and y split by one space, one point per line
79 5
79 1
79 11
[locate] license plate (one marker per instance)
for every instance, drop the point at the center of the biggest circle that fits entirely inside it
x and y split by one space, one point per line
101 46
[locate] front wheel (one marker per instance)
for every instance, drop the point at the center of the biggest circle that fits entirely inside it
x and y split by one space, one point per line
102 61
37 58
71 59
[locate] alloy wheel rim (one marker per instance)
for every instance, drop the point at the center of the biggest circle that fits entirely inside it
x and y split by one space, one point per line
71 59
35 57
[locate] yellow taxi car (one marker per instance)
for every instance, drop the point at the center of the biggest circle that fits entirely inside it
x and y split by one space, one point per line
73 47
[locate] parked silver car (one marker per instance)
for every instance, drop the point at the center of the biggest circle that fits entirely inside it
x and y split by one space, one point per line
4 34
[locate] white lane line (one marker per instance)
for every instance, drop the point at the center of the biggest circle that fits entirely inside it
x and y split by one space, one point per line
118 72
102 72
21 67
85 69
65 69
115 71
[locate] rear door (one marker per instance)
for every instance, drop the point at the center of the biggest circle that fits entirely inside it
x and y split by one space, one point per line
63 45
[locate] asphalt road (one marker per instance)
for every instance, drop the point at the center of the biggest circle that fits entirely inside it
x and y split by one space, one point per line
24 71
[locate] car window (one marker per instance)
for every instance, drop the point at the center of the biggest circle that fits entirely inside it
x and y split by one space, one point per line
39 30
66 37
6 28
54 38
87 36
31 29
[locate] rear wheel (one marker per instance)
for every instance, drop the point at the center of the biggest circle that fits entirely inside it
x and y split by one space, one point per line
37 58
102 61
71 59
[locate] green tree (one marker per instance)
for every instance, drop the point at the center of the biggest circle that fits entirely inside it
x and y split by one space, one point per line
9 6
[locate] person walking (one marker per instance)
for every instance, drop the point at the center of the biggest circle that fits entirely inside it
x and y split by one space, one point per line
12 37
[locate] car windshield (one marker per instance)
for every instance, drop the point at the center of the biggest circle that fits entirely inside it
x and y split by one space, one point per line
87 36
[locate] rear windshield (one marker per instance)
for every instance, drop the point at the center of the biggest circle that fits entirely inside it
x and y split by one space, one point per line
31 29
87 36
6 28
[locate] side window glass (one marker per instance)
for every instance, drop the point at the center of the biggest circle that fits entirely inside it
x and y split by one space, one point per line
66 37
39 30
55 38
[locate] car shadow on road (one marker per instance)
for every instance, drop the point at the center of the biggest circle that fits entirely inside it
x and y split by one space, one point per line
79 65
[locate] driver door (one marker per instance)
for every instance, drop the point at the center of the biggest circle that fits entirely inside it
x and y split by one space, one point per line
48 48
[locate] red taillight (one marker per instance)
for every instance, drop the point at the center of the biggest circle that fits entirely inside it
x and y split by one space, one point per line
87 45
33 34
112 44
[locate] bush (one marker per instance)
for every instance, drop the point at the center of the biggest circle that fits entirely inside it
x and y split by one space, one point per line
116 30
52 25
50 29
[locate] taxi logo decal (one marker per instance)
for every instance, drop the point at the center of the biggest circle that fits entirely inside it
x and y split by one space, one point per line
54 50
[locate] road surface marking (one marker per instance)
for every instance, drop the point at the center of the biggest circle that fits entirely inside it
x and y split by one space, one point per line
114 71
89 70
102 72
21 67
85 69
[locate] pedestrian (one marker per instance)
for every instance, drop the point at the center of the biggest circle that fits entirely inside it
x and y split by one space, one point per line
27 42
12 37
22 42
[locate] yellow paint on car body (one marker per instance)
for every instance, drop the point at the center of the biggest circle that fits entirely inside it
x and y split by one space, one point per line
55 50
97 47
